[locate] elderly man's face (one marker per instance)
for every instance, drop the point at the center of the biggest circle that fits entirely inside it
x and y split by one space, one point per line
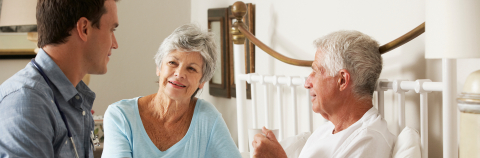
323 88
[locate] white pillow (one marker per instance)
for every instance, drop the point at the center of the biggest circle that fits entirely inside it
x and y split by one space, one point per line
293 145
408 144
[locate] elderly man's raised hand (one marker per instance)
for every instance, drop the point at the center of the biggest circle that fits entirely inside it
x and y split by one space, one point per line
266 145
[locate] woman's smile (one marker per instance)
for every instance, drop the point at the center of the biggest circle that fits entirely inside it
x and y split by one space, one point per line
176 84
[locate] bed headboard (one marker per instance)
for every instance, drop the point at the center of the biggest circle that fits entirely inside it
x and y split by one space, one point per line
398 86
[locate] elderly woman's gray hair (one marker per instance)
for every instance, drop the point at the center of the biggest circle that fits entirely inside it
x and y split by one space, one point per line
357 53
190 38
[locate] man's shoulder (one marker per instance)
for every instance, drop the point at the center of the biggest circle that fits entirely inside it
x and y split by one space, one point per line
24 84
376 123
376 128
371 139
24 99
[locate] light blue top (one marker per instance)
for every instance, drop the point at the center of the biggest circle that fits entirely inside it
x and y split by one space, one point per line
207 135
30 124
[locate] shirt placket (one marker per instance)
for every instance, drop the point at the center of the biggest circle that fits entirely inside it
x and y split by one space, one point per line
84 135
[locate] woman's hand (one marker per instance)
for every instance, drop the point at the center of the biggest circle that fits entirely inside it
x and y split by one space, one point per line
266 145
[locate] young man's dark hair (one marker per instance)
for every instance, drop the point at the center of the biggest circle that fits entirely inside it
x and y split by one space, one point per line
56 18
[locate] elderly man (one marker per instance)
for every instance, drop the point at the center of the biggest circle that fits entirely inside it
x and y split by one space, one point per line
346 68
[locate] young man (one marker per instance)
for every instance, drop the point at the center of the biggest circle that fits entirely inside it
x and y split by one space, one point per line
45 107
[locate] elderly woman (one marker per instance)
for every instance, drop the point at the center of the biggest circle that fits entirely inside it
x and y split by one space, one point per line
172 122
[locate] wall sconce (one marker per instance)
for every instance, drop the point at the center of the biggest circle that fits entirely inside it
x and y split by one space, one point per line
469 106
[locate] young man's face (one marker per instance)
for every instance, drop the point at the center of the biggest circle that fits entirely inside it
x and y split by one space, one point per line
102 40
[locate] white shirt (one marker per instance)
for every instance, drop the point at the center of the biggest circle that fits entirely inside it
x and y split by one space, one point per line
368 137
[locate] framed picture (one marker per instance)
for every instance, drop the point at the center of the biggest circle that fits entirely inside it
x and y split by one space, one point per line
16 46
14 43
219 84
220 21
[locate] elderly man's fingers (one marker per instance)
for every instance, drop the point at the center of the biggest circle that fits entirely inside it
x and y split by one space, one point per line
258 137
259 140
269 134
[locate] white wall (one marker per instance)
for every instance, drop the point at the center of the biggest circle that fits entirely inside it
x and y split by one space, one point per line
8 67
131 70
291 26
287 26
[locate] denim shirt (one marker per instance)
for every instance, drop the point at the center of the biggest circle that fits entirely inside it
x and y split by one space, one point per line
30 124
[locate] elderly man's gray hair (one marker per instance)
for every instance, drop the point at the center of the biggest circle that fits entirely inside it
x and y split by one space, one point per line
190 38
357 53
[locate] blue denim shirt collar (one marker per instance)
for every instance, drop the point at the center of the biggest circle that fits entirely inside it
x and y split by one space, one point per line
61 82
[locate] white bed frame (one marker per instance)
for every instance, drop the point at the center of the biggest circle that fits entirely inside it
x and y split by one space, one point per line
420 86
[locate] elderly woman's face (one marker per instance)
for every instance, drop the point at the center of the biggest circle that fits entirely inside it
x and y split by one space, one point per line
180 74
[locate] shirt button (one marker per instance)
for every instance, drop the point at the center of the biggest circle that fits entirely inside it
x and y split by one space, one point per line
77 97
83 113
52 101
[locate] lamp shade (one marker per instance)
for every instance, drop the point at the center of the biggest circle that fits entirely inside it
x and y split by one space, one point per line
18 12
452 29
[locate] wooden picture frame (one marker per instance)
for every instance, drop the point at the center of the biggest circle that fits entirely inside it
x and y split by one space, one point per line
14 42
224 86
15 45
219 84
